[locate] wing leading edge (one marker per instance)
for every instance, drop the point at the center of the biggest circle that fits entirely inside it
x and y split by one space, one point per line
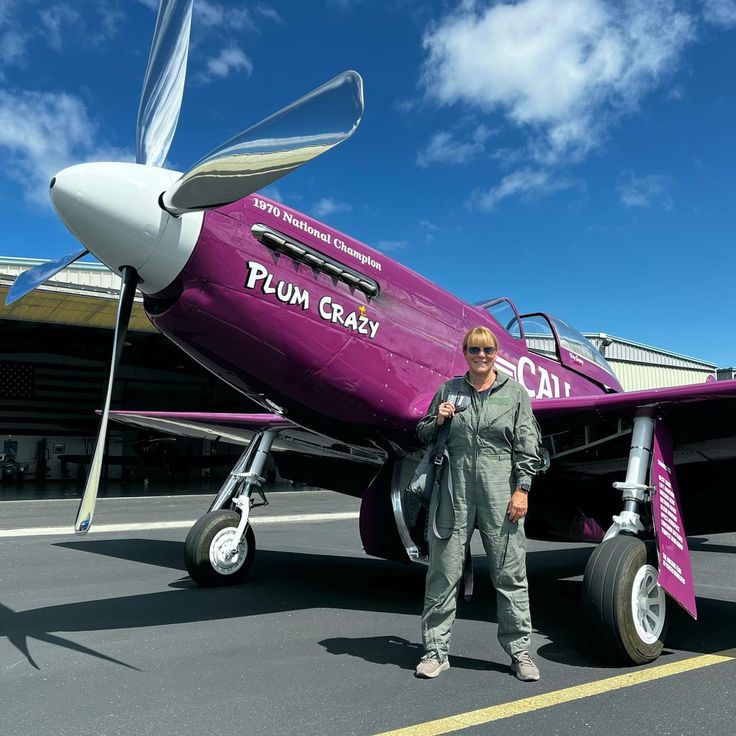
239 429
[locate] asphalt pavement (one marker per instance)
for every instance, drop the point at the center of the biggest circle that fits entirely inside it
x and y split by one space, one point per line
107 635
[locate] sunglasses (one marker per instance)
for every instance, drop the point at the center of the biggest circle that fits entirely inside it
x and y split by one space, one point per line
475 350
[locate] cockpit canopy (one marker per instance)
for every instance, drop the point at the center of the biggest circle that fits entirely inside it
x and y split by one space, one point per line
546 335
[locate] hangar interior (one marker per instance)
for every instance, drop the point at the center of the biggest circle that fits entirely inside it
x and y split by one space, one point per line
56 345
54 356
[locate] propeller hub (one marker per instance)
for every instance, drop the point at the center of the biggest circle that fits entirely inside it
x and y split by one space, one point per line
113 209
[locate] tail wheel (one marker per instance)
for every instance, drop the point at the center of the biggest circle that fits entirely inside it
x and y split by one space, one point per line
624 607
208 553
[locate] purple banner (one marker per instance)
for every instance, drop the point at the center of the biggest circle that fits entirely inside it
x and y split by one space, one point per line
675 572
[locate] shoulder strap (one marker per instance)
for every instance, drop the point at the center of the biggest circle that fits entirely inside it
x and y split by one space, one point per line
439 446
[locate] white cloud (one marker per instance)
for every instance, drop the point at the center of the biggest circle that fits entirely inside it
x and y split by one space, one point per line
21 23
390 246
14 35
110 17
430 230
215 15
522 183
212 24
62 23
560 70
644 191
266 11
55 20
208 13
273 192
328 206
444 148
12 47
42 133
720 12
230 59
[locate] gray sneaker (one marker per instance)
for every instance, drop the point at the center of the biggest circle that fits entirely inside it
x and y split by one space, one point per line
430 665
524 668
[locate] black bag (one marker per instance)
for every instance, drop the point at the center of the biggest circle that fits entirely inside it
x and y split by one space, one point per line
427 473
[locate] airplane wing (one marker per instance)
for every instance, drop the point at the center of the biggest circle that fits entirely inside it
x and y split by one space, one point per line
700 416
300 455
589 440
237 429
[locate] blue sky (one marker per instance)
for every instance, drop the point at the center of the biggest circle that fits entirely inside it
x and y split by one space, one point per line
577 156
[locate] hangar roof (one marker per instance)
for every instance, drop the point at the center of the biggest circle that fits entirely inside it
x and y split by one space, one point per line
83 294
627 351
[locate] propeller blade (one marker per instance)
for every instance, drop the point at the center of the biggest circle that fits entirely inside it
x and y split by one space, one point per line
272 148
89 499
163 85
33 277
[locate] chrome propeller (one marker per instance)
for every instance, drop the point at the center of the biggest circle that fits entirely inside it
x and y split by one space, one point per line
163 85
33 277
114 209
89 498
158 114
276 146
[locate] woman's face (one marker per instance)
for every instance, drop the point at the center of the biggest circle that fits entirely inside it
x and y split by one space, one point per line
480 359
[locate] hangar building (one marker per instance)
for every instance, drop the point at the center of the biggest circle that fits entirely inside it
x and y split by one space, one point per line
640 366
55 347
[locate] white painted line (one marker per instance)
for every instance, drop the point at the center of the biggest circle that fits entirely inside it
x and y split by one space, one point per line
152 497
105 499
53 531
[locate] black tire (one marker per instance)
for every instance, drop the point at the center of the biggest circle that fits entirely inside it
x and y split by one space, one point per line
625 628
199 547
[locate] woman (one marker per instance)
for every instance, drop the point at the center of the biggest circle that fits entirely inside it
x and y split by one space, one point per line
493 448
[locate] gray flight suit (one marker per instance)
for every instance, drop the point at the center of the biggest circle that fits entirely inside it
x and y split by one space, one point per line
492 446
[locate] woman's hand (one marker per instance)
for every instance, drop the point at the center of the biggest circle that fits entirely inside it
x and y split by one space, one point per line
518 505
446 411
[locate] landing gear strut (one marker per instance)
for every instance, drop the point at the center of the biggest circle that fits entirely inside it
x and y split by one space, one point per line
220 547
623 605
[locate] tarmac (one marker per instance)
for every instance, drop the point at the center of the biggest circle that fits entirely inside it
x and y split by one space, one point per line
106 634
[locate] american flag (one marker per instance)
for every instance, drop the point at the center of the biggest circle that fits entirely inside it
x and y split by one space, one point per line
52 394
16 380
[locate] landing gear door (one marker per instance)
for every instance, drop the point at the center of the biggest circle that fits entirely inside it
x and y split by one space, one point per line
675 572
410 516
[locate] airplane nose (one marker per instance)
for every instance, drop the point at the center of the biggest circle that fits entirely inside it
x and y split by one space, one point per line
113 209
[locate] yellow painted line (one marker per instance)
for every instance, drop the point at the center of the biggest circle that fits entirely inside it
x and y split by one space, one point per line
567 695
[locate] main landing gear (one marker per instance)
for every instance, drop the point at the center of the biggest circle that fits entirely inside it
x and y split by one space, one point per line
624 606
220 547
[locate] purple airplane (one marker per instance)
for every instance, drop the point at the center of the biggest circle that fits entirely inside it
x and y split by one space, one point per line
344 348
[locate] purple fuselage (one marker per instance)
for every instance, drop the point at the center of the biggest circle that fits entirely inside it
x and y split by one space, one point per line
336 360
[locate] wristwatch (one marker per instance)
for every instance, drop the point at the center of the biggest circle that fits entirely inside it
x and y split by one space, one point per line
524 487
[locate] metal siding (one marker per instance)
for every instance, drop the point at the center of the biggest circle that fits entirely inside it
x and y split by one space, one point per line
635 376
620 350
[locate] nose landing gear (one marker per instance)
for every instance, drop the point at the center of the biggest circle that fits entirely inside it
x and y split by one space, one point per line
211 554
221 546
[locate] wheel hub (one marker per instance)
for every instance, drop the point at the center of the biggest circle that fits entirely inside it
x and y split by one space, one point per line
225 557
648 604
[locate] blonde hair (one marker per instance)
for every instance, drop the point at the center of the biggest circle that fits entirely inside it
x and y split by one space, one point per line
480 336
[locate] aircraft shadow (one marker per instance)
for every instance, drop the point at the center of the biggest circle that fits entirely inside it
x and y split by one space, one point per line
290 581
702 544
